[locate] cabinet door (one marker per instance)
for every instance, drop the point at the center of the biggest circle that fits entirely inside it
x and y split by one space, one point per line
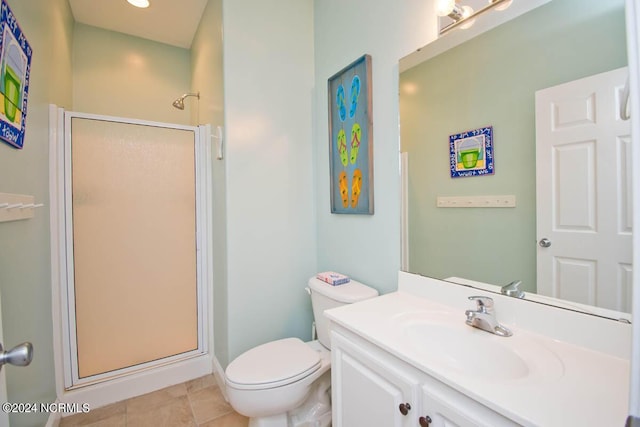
367 391
445 407
440 415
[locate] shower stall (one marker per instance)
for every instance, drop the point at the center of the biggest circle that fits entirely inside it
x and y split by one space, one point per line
131 215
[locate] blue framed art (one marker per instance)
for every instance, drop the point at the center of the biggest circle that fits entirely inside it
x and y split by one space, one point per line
471 153
15 69
351 139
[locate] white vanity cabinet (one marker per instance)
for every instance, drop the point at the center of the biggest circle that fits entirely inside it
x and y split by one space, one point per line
413 348
371 387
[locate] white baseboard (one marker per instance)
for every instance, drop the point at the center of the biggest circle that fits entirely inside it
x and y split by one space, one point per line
126 387
54 419
218 373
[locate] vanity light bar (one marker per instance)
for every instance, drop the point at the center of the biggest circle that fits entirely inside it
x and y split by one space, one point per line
463 19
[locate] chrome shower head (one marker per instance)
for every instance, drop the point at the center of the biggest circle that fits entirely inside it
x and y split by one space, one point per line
179 103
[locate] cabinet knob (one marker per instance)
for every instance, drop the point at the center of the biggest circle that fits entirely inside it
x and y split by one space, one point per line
424 421
405 408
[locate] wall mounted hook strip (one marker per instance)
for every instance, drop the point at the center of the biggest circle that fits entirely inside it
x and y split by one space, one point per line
15 207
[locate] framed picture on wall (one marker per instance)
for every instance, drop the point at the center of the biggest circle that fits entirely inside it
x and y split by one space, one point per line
351 138
471 153
15 69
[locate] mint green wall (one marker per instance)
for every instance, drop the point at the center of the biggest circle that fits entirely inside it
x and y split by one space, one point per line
365 247
25 275
491 80
120 75
271 246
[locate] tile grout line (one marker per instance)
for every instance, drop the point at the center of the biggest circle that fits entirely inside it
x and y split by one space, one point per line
193 415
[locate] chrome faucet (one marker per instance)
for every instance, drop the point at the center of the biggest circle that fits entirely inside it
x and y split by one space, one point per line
512 290
484 317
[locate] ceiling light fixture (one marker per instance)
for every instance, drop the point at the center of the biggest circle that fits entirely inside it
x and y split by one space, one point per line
139 3
464 16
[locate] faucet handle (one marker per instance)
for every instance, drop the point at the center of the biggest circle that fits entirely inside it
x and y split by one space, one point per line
484 304
512 289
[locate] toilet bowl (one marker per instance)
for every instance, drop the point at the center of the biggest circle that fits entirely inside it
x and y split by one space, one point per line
269 381
287 383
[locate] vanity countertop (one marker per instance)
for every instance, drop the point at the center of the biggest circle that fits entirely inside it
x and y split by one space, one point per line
568 384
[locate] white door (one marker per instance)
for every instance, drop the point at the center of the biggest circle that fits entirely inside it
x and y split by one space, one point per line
4 417
584 203
134 191
632 11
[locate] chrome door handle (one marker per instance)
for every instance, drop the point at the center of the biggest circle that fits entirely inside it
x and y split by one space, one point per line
20 355
544 242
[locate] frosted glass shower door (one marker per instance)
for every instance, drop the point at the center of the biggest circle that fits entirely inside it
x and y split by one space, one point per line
134 294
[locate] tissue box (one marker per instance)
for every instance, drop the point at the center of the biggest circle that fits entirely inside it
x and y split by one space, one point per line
333 278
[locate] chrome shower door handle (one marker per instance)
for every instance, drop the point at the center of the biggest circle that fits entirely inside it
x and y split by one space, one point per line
20 355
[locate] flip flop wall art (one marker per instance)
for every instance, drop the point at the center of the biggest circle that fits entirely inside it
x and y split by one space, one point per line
15 69
351 138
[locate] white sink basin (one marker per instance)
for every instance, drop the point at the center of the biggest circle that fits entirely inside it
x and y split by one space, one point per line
446 342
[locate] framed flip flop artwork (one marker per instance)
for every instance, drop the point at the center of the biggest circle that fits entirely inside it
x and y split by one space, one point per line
351 139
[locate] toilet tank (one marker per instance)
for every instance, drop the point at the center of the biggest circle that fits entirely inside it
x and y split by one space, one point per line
325 296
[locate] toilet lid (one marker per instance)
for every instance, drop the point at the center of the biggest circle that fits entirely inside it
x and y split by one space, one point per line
273 364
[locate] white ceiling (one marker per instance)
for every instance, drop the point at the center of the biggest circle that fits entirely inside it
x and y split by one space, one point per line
172 22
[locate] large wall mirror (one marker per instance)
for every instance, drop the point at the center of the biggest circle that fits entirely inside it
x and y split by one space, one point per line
549 84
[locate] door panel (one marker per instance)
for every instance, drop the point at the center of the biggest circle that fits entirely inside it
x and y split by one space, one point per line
134 243
369 391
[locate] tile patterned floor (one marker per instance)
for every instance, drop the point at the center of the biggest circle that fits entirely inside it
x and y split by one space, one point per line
196 403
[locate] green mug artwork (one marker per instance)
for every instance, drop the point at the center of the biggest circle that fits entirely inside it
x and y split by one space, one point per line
13 70
471 152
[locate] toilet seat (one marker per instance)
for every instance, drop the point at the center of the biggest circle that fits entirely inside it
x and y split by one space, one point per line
273 364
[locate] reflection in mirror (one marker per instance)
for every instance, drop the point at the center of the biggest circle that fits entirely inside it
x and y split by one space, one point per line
495 80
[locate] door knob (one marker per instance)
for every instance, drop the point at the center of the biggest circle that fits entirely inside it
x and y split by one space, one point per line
20 355
544 242
424 421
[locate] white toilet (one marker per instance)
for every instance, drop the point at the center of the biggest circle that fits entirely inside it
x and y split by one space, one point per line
287 383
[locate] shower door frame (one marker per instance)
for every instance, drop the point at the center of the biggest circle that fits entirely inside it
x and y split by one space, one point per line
62 221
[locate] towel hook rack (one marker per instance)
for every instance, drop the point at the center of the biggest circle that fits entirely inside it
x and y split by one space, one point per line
14 207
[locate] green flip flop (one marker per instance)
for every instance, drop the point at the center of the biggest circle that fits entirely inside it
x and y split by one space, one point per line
341 145
356 135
